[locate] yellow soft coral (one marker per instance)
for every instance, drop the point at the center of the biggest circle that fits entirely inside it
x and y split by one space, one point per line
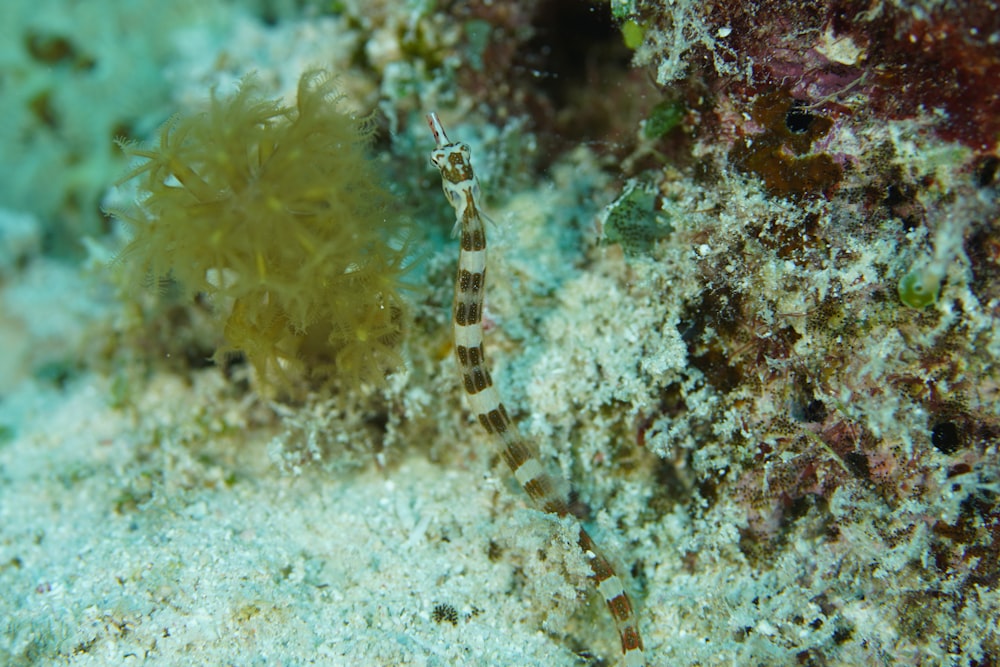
277 215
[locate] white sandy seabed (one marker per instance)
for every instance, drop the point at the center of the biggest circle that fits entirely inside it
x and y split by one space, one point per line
128 540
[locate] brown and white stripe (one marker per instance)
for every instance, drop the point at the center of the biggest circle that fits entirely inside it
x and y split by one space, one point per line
461 188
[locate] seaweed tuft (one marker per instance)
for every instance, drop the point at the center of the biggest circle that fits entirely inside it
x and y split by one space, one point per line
276 214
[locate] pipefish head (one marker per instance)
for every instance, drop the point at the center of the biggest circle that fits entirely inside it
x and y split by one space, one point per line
453 159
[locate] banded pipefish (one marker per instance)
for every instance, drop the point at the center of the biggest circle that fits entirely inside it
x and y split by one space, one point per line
461 187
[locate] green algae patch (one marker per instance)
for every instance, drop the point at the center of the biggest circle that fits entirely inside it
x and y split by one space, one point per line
919 288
